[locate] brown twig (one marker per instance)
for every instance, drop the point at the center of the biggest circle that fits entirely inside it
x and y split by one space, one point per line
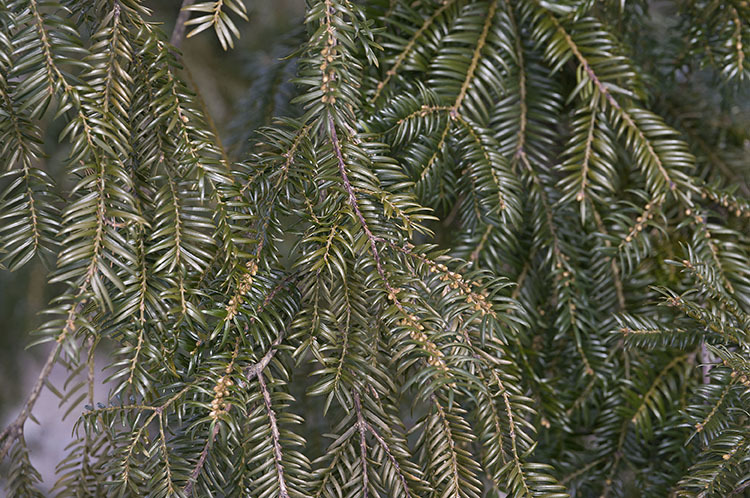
390 456
178 33
275 436
362 427
355 205
202 460
455 473
256 369
739 489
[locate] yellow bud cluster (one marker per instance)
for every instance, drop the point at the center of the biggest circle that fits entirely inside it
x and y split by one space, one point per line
729 204
700 220
233 306
478 300
417 333
566 277
393 294
640 221
219 406
727 456
328 54
425 110
743 379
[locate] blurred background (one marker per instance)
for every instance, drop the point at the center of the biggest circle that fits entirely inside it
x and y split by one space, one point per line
230 83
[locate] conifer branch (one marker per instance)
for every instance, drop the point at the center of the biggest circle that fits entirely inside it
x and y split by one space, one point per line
384 445
475 57
275 437
188 489
522 90
358 213
409 46
362 428
601 300
453 458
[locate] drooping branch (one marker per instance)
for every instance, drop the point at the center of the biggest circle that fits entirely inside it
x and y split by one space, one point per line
453 458
476 55
275 437
355 205
362 428
390 456
201 461
409 46
522 90
624 113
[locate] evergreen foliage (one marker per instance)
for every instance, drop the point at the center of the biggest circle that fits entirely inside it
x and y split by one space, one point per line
476 248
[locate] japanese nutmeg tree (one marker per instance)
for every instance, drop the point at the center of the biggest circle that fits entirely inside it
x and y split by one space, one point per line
463 249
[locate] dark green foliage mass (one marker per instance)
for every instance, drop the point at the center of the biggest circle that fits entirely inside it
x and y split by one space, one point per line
471 249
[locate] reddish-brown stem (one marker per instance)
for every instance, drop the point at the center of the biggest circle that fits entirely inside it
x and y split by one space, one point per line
362 427
390 456
358 213
275 436
201 461
178 33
